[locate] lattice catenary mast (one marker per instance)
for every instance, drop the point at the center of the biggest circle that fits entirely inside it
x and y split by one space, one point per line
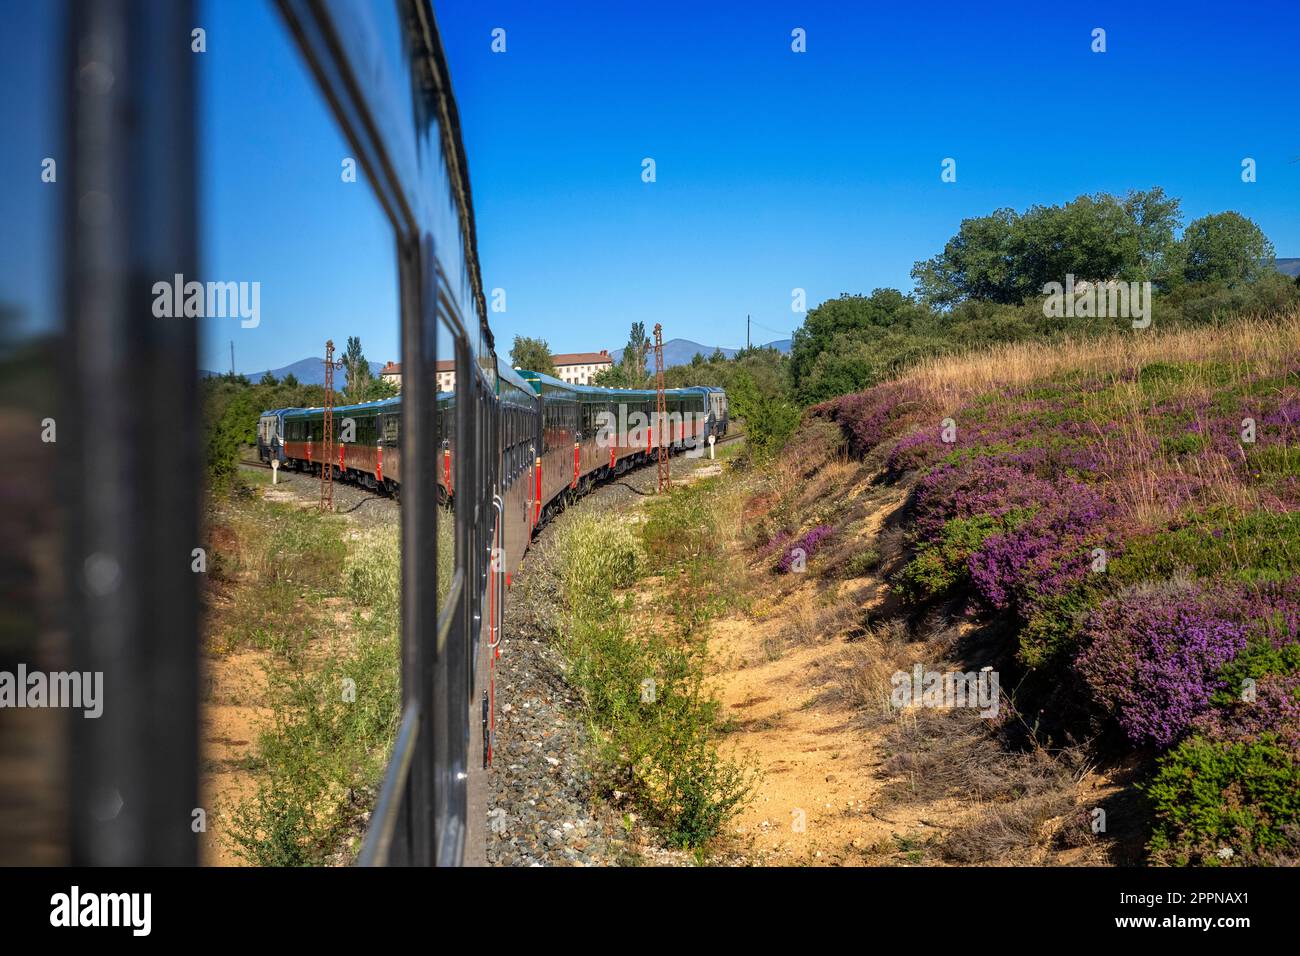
327 439
665 479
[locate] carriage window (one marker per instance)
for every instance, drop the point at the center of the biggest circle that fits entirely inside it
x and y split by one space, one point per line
297 250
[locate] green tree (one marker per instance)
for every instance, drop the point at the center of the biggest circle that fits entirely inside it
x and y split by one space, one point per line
290 381
612 377
373 390
975 263
769 420
861 318
268 379
634 355
358 371
1226 248
1092 237
532 354
1155 218
1007 257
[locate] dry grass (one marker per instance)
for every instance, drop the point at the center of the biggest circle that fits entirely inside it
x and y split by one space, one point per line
1248 345
1007 830
945 753
865 668
809 618
1212 360
1131 455
863 681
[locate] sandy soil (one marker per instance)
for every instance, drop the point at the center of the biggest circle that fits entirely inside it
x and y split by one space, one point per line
231 722
781 671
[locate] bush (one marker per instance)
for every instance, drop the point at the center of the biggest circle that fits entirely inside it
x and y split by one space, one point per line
1054 625
941 565
1256 547
275 827
653 722
1154 656
863 563
1260 659
1211 796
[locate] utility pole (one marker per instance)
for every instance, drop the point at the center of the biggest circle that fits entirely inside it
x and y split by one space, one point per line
746 330
665 479
232 358
327 456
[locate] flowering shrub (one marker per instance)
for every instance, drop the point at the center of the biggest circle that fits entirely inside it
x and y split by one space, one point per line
941 564
1154 656
808 544
776 541
869 417
1194 595
1048 553
983 486
1273 709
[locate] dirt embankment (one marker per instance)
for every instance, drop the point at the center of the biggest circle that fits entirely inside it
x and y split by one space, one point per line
805 672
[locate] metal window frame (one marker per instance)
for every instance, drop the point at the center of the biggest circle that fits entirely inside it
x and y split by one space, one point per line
421 817
130 220
131 138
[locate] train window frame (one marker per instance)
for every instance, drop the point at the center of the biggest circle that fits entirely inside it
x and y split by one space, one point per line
416 166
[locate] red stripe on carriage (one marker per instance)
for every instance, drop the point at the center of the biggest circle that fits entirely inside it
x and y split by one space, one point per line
537 501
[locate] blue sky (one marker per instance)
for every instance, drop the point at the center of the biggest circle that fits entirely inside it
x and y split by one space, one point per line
822 170
774 169
29 128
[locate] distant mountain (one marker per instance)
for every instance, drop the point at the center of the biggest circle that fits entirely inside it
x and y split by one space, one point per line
1288 267
681 351
308 371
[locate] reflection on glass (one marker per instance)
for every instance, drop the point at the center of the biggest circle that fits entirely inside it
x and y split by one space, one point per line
305 599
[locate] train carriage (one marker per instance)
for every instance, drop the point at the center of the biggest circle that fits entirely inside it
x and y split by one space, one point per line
718 412
590 433
270 434
558 439
519 440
